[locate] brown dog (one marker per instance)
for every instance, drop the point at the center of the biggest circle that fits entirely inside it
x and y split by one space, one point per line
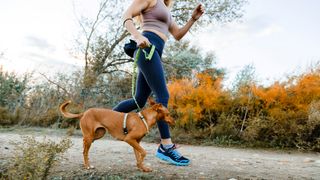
95 121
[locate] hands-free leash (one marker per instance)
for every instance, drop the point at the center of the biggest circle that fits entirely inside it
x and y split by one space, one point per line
148 56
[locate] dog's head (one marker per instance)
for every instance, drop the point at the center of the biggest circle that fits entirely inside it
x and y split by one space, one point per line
163 112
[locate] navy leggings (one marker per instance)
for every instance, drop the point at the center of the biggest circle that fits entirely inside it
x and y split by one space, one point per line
150 79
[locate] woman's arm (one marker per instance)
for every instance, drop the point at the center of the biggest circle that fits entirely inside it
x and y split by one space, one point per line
177 32
134 10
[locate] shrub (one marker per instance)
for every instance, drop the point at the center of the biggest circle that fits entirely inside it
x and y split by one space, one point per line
200 101
283 114
33 159
309 137
12 96
8 118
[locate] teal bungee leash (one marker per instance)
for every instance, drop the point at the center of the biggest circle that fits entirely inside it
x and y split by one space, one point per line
148 57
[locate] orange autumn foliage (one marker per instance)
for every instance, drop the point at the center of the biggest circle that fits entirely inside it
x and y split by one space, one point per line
196 100
282 114
275 94
306 90
294 95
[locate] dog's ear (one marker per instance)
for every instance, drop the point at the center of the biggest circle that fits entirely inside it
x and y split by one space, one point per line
157 107
151 101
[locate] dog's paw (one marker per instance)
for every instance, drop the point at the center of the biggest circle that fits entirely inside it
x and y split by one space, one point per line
89 167
146 169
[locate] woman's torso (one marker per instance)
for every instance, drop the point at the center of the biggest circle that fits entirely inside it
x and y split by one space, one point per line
157 18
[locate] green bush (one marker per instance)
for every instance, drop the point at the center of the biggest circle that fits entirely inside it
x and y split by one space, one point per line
33 159
12 96
11 89
7 118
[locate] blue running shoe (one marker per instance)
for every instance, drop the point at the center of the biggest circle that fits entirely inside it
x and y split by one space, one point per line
172 156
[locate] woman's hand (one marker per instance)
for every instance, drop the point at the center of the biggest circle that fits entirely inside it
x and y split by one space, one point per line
178 32
142 42
197 12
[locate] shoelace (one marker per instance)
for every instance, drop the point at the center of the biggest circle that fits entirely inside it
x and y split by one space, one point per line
172 151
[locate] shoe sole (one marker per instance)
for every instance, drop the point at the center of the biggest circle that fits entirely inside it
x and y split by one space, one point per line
170 161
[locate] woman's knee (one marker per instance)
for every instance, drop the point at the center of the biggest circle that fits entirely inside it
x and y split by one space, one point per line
164 99
141 102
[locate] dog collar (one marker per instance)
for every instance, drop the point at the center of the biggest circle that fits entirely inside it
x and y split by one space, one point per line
144 121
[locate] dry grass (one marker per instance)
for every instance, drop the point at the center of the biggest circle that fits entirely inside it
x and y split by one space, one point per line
33 159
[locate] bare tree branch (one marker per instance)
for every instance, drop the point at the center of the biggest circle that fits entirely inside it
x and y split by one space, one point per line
93 28
58 85
102 52
110 50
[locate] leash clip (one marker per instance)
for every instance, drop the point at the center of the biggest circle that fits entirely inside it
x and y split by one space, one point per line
125 131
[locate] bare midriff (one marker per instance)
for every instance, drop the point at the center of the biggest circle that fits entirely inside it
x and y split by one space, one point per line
160 34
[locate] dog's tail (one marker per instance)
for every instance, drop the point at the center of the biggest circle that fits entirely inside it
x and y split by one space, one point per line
68 114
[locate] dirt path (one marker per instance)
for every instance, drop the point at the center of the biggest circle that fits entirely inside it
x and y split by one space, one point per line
116 158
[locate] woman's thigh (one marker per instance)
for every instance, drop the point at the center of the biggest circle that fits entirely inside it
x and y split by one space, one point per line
153 73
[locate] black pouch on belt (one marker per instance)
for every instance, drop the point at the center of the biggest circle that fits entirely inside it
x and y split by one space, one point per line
130 47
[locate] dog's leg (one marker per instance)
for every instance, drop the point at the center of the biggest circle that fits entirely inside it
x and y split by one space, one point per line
139 152
136 153
86 146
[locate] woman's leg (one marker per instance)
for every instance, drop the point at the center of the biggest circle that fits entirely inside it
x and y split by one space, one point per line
142 93
154 75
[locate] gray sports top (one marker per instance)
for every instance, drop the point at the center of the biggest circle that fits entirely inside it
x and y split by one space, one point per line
157 18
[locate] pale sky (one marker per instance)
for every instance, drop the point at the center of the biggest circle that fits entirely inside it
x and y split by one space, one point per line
276 36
